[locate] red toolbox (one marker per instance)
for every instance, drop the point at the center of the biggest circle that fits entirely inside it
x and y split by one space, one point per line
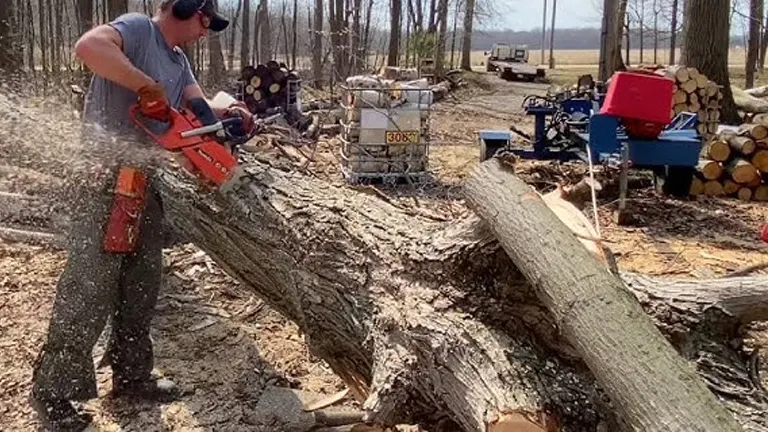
642 101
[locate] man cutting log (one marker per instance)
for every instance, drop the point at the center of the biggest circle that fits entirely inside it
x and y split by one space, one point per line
109 272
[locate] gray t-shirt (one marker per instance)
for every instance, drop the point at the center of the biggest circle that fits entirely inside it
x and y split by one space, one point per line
107 103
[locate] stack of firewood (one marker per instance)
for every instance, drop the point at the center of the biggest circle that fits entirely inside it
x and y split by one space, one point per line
269 86
695 93
734 162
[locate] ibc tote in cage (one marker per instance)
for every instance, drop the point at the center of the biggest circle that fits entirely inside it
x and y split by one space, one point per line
385 130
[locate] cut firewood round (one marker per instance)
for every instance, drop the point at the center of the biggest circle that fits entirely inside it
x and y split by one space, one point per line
711 170
731 187
717 150
741 144
761 193
760 160
755 131
713 188
697 187
745 194
741 171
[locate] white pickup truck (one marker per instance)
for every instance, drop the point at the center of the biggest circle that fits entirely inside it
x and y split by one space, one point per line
511 63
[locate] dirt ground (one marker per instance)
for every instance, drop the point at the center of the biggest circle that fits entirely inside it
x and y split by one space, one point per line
223 345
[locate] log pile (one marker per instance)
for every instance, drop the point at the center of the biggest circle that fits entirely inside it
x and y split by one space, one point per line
267 87
734 162
695 93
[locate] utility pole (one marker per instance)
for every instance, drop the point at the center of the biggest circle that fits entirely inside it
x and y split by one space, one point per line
543 31
552 36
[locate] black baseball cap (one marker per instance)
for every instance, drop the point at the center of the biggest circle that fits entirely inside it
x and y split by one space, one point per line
218 22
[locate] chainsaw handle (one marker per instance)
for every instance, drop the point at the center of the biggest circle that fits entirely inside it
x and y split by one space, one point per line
136 109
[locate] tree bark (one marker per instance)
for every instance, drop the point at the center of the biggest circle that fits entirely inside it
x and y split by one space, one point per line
116 8
295 34
217 72
706 42
652 387
245 41
753 44
673 34
10 60
442 16
610 39
763 44
233 37
466 46
396 11
265 33
426 319
317 44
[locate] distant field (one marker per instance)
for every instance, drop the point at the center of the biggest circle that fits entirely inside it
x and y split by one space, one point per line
736 57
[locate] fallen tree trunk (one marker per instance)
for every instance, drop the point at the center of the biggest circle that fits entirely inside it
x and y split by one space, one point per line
427 320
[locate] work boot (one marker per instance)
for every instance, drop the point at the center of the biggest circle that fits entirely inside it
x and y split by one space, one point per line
60 415
154 389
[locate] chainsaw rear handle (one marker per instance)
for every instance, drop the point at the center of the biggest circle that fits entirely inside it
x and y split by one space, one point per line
133 114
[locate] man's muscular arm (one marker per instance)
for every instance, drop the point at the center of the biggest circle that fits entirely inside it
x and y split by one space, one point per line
101 49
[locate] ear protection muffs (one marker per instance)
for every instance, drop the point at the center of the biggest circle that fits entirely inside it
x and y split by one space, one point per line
185 9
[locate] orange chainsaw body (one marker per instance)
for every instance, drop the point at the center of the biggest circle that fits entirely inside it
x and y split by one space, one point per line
209 158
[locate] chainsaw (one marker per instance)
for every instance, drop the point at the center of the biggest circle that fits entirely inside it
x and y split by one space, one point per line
209 146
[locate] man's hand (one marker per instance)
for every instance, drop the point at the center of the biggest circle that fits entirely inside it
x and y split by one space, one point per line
236 110
153 103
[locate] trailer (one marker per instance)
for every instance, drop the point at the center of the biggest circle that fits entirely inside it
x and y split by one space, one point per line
511 63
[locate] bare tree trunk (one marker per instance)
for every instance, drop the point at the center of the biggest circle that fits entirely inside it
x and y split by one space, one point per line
295 37
265 33
336 23
55 66
453 32
396 9
753 46
245 41
284 26
466 45
764 44
31 38
656 12
9 38
233 37
442 17
317 44
673 34
367 33
43 41
217 73
623 22
641 28
706 48
610 38
115 8
356 38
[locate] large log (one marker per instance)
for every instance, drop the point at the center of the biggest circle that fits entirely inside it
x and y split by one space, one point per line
653 388
421 317
427 318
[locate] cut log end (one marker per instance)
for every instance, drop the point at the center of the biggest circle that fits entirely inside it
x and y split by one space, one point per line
711 170
718 150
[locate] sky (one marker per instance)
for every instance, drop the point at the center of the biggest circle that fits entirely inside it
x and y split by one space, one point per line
527 14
